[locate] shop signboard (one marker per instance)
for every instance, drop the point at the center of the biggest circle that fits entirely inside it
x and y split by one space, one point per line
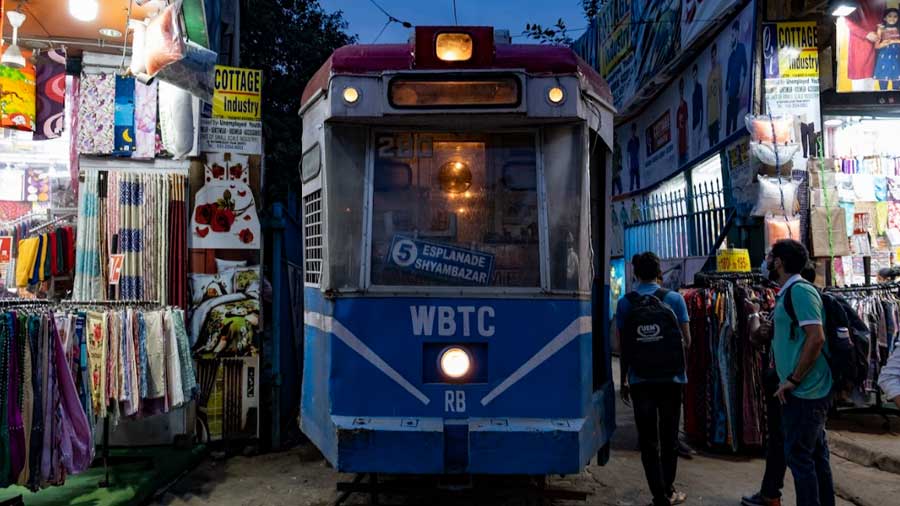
235 124
704 107
867 52
115 268
733 260
791 71
633 41
441 261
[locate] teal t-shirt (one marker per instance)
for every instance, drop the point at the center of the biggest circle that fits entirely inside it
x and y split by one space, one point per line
808 308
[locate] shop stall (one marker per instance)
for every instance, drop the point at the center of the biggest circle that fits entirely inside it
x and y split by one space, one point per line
130 278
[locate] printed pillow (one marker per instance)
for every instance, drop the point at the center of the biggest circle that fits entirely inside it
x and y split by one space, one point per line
845 182
762 128
881 190
247 280
780 227
210 286
224 265
894 188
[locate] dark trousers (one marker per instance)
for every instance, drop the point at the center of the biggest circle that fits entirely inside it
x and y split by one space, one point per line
806 450
773 479
617 184
808 139
657 409
731 119
714 133
883 85
635 179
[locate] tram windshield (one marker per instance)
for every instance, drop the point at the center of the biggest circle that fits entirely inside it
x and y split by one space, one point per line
455 210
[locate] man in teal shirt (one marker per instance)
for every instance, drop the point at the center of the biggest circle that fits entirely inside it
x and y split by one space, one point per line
799 347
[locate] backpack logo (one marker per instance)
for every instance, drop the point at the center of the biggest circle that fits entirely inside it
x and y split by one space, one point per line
649 332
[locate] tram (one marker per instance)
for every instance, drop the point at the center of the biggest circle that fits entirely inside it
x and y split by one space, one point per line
456 270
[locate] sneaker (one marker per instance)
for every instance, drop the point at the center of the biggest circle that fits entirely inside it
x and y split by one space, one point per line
685 451
758 499
677 498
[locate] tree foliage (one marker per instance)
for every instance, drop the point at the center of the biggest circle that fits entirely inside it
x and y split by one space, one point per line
289 40
557 34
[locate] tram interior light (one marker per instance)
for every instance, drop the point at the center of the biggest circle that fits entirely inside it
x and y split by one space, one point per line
351 95
455 362
556 95
454 46
455 177
840 9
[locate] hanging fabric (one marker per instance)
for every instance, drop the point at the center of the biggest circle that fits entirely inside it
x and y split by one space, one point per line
50 69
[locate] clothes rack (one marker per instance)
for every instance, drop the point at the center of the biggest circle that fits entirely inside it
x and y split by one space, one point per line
879 408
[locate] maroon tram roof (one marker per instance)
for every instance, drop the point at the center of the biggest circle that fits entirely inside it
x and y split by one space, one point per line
373 59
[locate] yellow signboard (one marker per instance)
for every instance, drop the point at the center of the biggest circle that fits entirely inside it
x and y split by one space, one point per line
733 260
238 93
798 55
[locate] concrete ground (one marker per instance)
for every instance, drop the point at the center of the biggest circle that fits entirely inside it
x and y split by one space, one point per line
865 463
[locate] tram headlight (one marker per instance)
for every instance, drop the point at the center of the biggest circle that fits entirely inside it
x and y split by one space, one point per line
455 362
351 95
556 95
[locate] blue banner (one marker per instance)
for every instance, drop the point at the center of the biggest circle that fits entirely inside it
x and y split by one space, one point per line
438 260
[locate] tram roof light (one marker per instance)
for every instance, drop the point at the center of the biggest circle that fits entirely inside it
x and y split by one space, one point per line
351 95
454 46
556 95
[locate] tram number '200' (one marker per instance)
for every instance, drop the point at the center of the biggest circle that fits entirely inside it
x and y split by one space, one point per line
455 401
405 146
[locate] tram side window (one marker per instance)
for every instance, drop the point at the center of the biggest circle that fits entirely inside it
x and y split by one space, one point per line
455 210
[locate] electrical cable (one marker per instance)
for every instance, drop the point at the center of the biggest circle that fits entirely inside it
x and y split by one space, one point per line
455 17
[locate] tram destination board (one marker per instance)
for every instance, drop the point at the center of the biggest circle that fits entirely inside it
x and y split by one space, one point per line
441 261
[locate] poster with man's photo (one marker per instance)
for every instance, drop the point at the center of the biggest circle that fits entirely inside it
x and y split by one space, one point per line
868 47
702 108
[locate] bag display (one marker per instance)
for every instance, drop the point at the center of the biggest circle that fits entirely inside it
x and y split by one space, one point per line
819 228
771 192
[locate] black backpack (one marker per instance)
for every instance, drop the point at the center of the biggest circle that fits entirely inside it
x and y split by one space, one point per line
847 356
652 343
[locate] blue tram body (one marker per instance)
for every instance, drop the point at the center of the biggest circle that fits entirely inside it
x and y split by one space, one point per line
439 228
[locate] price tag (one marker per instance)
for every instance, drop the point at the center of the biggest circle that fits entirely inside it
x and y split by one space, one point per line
115 268
733 260
5 248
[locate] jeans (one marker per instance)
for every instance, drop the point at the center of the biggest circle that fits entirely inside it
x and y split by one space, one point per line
657 410
773 479
617 184
808 139
883 85
635 179
806 449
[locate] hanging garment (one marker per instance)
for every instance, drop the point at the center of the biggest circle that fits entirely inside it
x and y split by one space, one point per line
28 252
145 108
97 339
156 355
73 113
18 87
87 284
50 67
96 110
124 116
174 392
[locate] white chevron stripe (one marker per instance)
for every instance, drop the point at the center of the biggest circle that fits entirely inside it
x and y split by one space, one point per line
332 326
578 327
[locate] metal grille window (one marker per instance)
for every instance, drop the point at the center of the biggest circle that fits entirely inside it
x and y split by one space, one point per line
312 231
676 223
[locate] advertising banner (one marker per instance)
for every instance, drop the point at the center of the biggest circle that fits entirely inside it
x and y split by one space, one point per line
235 125
633 41
868 48
791 69
703 107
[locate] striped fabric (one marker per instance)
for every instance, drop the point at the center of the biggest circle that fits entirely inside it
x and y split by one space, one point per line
87 285
131 235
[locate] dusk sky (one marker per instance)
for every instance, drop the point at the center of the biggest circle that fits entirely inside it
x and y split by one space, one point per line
366 20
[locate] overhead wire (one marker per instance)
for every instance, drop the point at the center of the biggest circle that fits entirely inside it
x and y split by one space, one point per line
455 17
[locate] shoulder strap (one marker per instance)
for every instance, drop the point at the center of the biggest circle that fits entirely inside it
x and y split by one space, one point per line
789 301
633 297
661 294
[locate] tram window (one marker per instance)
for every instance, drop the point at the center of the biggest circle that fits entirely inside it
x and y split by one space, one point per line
311 163
449 93
466 214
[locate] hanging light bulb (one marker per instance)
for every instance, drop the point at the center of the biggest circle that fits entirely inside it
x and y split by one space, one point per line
84 10
12 57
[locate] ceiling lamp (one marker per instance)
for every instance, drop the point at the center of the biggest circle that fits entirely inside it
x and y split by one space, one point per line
12 57
84 10
841 9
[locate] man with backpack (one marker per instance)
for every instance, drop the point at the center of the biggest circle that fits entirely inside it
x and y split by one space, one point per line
799 346
653 330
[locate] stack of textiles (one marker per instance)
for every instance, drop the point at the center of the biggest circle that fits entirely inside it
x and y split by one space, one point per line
63 367
141 216
44 255
724 406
